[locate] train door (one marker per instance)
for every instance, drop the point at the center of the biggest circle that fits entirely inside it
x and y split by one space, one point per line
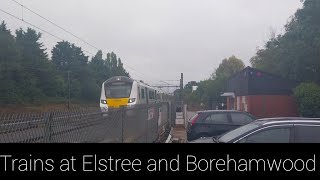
147 95
139 96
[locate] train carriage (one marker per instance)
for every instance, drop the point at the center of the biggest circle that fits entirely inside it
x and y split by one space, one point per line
122 91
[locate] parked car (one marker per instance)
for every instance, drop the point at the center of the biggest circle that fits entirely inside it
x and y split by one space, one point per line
216 122
272 130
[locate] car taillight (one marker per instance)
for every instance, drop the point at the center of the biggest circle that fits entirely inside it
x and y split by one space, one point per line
194 120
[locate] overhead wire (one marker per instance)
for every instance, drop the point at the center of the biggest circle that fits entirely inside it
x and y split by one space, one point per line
30 24
70 33
55 24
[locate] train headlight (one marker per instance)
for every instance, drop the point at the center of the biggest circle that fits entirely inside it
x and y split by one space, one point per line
104 101
131 100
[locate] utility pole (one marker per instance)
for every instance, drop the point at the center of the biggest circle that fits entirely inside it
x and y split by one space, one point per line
181 90
68 89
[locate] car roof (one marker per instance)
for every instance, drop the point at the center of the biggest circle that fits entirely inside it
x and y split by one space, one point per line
282 120
204 111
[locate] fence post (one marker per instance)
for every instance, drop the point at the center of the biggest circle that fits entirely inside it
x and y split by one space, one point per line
169 113
185 113
48 128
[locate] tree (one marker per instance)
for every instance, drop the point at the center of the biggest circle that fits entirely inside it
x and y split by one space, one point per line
71 61
98 66
229 67
115 65
295 54
100 73
40 77
189 96
208 91
308 98
10 68
27 76
120 70
68 57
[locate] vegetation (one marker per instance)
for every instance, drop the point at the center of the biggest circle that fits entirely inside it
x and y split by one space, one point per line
308 98
28 76
293 55
209 91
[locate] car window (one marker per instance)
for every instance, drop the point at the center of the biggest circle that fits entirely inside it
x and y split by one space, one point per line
217 118
271 135
190 119
240 118
238 132
307 134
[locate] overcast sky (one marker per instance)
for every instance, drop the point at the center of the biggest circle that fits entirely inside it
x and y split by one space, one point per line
159 39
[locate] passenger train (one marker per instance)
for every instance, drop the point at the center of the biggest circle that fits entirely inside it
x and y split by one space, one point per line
122 91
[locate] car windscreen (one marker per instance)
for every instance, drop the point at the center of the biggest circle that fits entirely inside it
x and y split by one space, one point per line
118 89
237 132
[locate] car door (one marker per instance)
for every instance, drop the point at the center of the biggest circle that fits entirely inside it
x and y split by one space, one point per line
217 123
271 134
239 119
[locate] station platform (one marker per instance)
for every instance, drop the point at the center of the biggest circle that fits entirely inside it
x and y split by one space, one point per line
179 134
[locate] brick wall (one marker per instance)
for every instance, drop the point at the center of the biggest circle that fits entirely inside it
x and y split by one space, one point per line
263 106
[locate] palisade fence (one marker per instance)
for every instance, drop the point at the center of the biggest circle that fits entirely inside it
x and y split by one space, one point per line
141 124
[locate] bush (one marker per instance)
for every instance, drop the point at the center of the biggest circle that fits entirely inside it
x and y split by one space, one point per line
307 96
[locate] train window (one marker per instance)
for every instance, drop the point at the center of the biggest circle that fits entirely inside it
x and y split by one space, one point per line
151 95
142 93
118 90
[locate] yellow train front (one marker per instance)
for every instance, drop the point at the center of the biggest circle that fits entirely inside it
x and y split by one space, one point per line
121 91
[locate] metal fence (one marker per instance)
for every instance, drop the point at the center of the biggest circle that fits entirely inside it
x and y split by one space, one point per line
141 124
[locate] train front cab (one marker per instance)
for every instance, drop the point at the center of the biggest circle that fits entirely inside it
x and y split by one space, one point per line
117 92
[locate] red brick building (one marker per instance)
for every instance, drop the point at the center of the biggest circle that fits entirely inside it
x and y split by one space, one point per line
261 94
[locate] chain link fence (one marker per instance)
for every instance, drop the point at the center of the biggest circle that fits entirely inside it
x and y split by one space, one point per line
140 124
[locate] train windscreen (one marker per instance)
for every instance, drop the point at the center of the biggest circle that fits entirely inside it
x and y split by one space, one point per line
118 89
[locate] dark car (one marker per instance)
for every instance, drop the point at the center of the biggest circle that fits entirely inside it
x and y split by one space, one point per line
272 130
216 122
